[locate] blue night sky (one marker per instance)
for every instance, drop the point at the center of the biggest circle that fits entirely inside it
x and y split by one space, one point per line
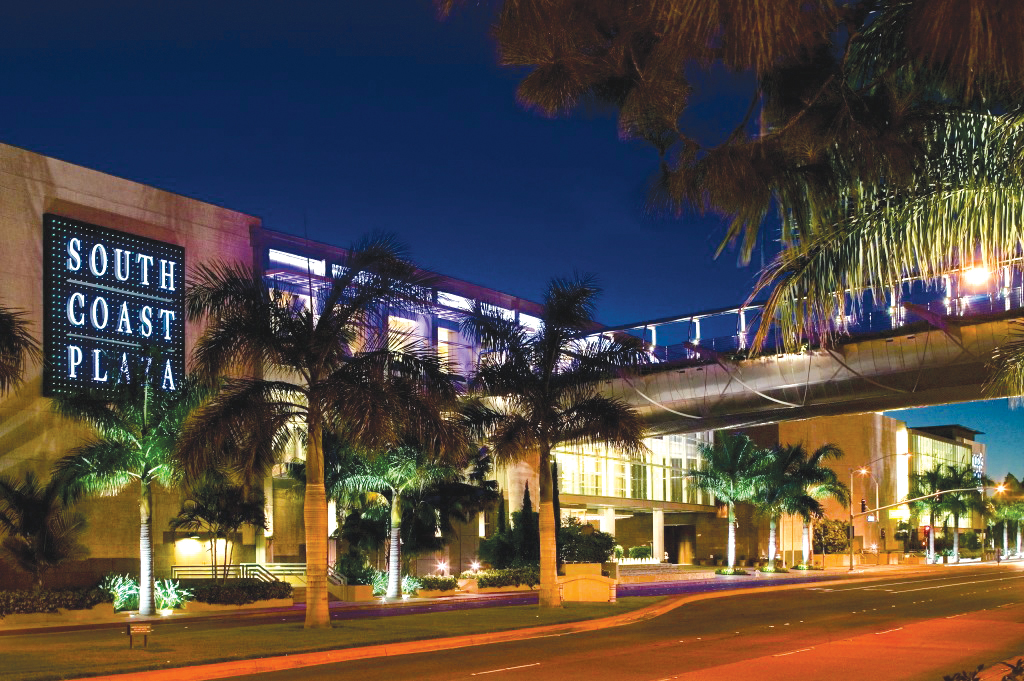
334 119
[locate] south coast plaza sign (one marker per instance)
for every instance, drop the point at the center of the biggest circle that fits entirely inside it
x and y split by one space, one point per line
113 304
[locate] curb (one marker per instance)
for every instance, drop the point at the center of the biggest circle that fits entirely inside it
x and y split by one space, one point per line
219 670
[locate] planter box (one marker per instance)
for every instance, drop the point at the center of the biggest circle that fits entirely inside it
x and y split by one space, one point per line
356 593
435 593
503 589
578 569
194 606
103 612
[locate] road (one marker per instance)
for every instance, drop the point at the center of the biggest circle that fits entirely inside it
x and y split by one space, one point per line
900 628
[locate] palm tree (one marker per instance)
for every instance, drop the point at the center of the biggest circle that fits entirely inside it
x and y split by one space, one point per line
42 529
731 471
542 393
869 135
215 506
325 362
17 348
392 479
794 483
966 494
815 480
135 430
924 484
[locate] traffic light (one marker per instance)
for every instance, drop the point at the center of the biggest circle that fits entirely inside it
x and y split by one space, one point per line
883 534
863 505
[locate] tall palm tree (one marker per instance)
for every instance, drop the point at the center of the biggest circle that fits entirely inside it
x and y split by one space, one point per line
42 528
794 483
17 348
968 497
323 362
924 484
815 481
731 471
135 429
392 479
542 394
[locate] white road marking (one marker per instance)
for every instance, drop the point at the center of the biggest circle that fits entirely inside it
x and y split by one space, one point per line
887 631
793 652
946 586
493 671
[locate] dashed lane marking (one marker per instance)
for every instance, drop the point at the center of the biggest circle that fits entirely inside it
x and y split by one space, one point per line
793 652
505 669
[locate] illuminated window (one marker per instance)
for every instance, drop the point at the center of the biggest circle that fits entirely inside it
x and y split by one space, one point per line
317 267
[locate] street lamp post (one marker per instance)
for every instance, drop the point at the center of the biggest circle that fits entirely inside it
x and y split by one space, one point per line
863 470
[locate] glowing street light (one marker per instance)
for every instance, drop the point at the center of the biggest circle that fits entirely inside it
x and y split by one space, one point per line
976 276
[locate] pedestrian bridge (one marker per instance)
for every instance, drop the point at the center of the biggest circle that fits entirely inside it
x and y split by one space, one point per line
930 347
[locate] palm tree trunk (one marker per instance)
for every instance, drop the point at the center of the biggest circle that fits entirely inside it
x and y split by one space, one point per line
931 537
956 538
147 599
805 542
1006 539
772 522
549 596
732 537
314 513
395 556
1020 532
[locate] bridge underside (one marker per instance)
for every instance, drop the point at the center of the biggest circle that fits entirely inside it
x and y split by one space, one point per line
917 366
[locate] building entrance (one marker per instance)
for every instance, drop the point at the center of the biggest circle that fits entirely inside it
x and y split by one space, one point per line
681 543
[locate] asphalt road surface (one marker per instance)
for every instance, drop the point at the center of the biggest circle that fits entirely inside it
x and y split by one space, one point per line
899 629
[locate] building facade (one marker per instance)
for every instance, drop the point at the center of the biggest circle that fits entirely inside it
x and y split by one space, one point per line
98 263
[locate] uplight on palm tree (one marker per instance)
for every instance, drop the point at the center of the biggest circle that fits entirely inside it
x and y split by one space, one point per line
392 479
321 360
926 484
541 392
815 480
731 470
965 495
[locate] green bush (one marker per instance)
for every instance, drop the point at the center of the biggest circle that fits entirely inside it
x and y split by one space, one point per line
804 566
641 552
487 579
123 591
239 591
410 584
731 571
354 569
49 600
430 583
579 543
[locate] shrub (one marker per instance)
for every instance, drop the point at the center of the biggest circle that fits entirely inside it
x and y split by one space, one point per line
579 543
618 552
430 583
354 569
641 552
123 591
509 577
239 591
804 566
731 571
410 584
49 600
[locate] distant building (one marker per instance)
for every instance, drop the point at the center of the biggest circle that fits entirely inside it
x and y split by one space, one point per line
881 454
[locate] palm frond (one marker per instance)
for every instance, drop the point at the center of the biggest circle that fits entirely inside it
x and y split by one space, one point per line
18 349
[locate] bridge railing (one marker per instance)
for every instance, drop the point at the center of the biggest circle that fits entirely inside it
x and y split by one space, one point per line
668 338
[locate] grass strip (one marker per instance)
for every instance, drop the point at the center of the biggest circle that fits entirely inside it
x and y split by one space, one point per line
41 657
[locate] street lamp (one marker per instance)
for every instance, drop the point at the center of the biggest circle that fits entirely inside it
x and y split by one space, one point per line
864 470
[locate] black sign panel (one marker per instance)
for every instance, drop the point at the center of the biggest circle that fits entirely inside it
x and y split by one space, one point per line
113 308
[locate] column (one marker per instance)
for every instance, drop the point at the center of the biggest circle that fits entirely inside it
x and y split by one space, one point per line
658 534
608 521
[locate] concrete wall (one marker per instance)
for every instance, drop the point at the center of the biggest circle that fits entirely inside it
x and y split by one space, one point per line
31 436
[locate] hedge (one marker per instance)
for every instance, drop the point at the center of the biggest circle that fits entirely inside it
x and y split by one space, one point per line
486 579
239 591
49 600
430 583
